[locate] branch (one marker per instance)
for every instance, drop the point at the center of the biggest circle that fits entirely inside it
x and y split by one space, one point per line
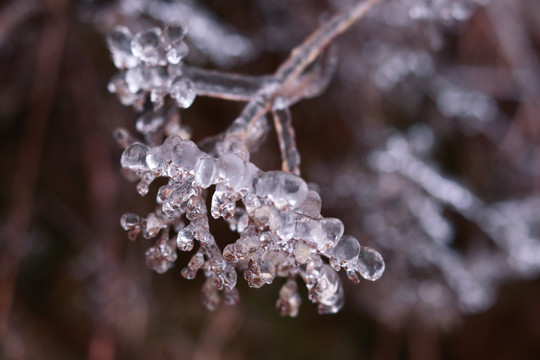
290 71
226 86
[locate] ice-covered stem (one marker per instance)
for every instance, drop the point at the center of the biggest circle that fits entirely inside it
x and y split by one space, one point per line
291 70
309 85
218 84
287 144
312 83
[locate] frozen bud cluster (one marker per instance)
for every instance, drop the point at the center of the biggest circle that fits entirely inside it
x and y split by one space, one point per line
281 230
150 64
161 256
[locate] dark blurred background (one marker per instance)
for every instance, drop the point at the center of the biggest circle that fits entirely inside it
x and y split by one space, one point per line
458 81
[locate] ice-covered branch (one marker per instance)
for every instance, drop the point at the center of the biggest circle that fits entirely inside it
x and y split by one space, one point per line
282 232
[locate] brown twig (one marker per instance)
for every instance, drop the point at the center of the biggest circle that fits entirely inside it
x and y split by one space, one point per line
48 60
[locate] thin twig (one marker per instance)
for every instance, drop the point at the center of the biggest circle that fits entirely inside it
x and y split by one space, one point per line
314 82
297 62
304 54
48 60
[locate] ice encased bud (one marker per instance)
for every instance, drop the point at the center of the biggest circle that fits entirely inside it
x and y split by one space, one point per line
310 231
137 79
118 86
265 216
154 158
129 221
134 157
168 146
289 300
259 272
332 229
370 264
231 170
173 34
161 257
223 202
119 43
286 228
301 252
205 171
321 234
184 239
311 206
152 226
185 155
346 251
282 188
146 46
183 92
327 290
146 79
227 277
149 122
177 52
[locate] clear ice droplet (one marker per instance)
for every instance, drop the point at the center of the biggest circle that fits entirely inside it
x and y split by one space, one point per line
346 251
134 157
173 34
119 43
183 91
370 264
177 52
185 154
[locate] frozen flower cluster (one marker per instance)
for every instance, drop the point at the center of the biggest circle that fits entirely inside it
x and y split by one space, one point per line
282 232
150 64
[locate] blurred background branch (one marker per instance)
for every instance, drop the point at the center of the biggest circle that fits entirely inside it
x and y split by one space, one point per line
425 144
